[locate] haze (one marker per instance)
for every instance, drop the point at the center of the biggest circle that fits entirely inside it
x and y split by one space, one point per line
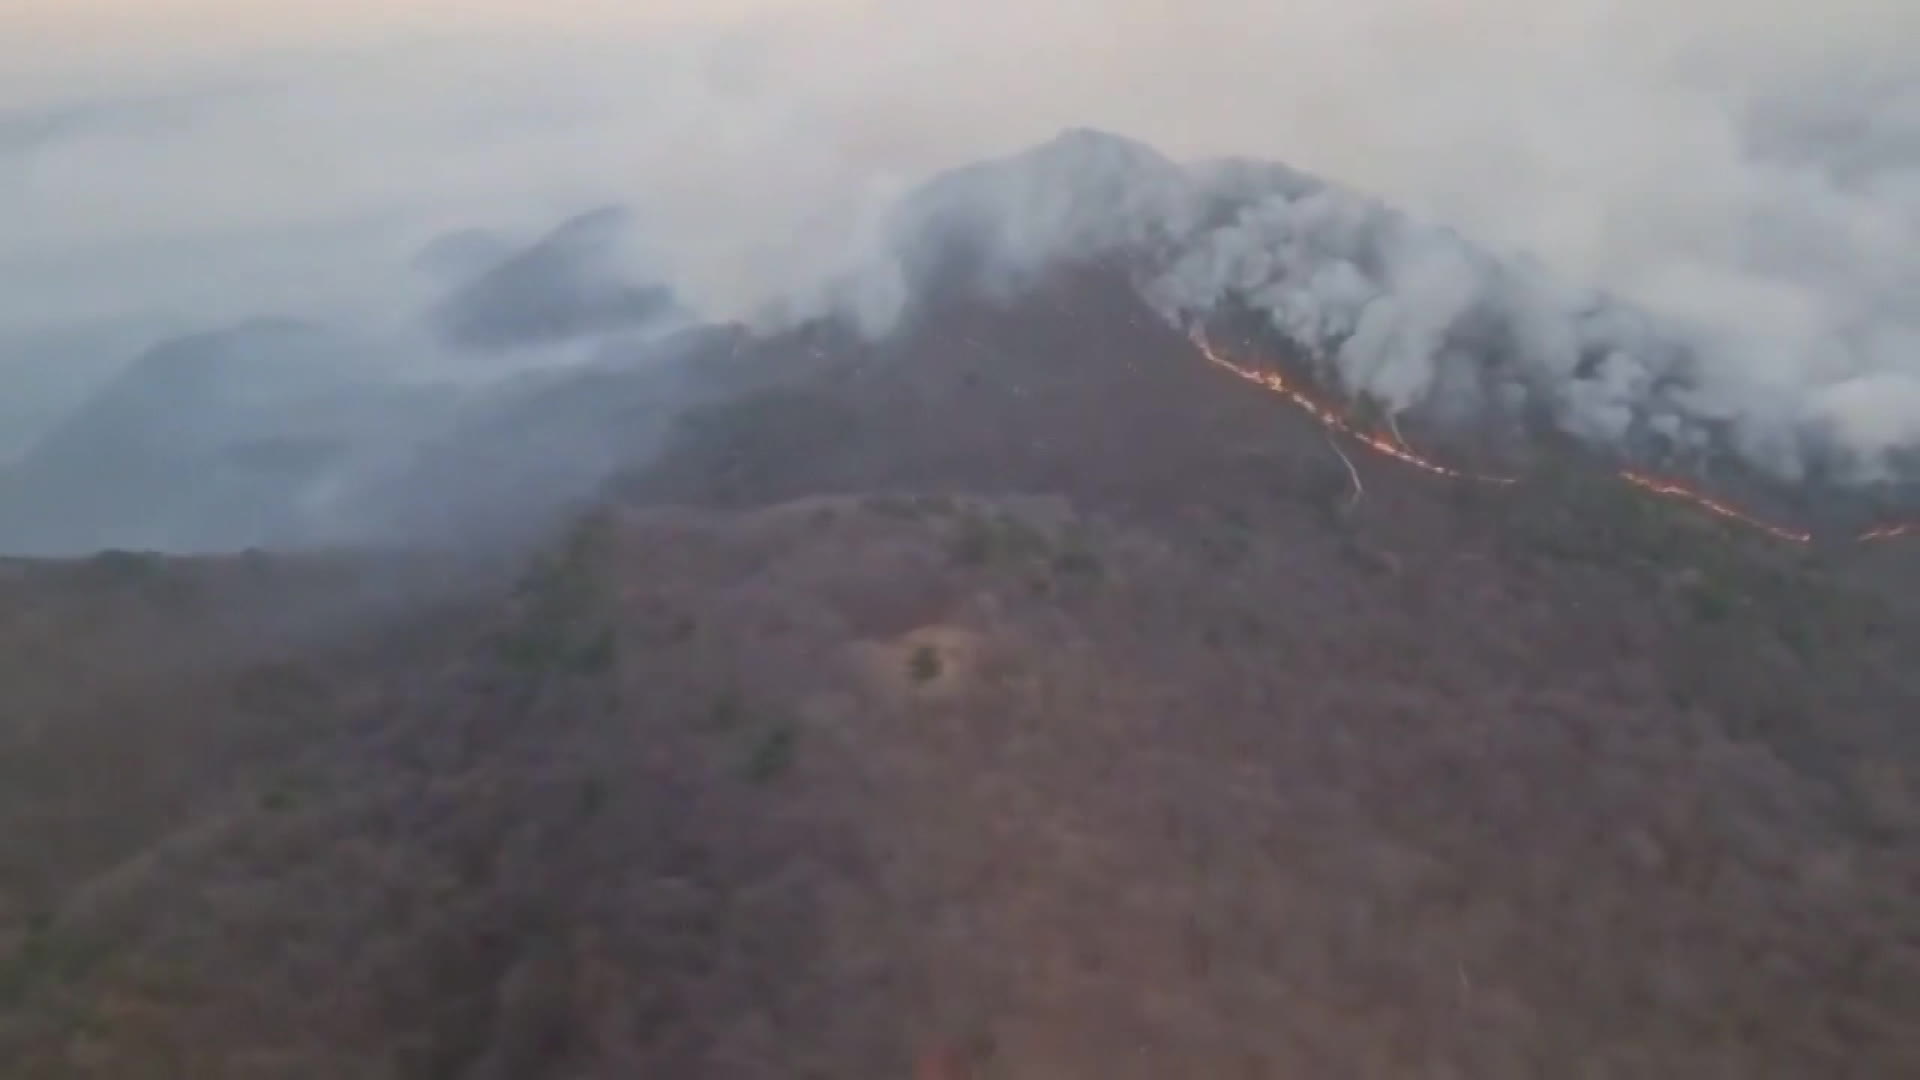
178 164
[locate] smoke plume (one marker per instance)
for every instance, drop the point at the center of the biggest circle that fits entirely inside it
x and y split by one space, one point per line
1685 228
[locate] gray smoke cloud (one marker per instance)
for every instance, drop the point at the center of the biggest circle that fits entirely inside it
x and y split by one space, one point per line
1412 314
1678 223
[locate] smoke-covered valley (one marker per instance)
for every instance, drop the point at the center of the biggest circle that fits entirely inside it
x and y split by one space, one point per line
271 295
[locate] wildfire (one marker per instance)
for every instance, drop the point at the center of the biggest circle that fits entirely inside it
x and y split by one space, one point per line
1711 505
1889 532
1387 445
1391 445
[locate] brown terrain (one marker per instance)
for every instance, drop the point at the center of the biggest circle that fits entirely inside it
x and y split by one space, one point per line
1021 698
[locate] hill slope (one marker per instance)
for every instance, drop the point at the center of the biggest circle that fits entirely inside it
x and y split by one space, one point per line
1020 697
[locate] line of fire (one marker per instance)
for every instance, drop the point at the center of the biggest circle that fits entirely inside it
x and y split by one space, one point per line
1390 445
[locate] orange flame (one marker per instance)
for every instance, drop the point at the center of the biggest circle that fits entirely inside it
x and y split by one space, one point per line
1390 445
1670 489
1332 420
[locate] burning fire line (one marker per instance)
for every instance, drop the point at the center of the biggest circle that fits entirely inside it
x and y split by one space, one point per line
1335 422
1396 448
1712 505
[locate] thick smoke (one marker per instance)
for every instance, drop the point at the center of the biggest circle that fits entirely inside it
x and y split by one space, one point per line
1682 226
1407 313
1413 315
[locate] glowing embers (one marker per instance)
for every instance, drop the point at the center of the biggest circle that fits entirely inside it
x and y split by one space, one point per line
1669 489
1390 445
1889 532
1384 444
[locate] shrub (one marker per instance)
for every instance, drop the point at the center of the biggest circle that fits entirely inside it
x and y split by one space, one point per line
47 956
1712 601
772 754
925 664
981 540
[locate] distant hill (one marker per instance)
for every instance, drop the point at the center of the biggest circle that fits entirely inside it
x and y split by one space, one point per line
211 441
570 284
48 373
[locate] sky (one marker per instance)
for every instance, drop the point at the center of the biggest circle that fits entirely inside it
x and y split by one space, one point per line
178 163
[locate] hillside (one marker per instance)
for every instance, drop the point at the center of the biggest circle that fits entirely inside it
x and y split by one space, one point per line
1020 696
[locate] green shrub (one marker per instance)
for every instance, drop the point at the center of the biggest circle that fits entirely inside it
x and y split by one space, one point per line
1076 558
982 540
48 956
772 754
925 664
1712 601
559 629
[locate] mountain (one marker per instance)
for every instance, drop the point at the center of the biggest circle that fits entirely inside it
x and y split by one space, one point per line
48 373
1080 195
277 433
280 433
1020 693
567 285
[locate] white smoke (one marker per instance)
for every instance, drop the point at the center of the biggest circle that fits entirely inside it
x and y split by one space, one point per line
1398 310
1741 181
1406 313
